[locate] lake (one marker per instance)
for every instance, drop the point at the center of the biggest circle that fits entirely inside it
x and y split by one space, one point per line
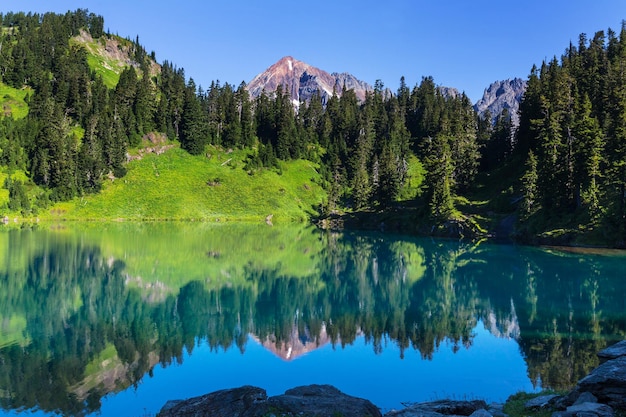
116 319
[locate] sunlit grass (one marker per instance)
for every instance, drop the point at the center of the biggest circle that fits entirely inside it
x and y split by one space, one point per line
12 101
179 186
107 69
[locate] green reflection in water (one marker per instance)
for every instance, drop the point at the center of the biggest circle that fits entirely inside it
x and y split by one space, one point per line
90 310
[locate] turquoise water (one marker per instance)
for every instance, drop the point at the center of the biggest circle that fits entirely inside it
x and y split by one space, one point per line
117 319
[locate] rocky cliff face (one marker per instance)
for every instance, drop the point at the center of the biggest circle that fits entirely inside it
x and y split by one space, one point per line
302 80
500 95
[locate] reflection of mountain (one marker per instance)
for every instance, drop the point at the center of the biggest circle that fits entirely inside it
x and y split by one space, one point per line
109 375
508 327
74 326
298 344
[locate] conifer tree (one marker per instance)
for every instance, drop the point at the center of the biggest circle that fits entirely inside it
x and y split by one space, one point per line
193 126
530 203
588 158
439 168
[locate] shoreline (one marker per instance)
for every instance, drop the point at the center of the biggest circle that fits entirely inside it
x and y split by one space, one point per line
337 224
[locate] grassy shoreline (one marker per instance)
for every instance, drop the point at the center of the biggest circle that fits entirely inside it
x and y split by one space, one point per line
168 184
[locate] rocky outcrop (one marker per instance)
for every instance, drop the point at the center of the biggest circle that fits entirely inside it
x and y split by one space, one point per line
613 352
301 80
500 95
311 400
225 403
607 383
477 408
448 92
602 393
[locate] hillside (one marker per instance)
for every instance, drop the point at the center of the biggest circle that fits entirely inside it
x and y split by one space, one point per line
109 55
166 183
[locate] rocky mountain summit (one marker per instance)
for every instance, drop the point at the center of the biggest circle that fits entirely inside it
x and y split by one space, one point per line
500 95
602 393
302 80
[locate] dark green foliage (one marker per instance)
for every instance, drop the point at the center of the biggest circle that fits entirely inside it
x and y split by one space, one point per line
193 126
439 168
530 204
18 199
68 99
573 118
497 145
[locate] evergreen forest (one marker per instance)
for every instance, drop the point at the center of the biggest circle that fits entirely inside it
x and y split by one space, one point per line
419 159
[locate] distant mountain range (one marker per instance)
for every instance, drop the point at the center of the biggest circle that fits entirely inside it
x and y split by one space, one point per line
302 80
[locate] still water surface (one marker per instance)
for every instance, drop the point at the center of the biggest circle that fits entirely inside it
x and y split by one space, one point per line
117 319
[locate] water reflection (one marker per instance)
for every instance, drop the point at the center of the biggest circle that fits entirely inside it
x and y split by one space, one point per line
88 312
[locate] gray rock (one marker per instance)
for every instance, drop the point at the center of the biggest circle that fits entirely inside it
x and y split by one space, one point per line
562 402
450 407
170 404
320 401
312 400
607 383
496 410
225 403
440 408
543 401
586 397
590 410
412 412
613 351
481 413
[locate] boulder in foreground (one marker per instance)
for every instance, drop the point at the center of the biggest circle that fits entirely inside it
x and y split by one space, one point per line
248 401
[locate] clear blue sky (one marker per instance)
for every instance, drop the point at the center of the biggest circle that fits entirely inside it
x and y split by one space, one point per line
466 44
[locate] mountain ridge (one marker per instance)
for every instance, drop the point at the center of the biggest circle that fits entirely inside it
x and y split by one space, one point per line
301 81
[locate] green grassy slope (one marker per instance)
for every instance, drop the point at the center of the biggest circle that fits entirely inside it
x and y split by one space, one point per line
12 101
179 186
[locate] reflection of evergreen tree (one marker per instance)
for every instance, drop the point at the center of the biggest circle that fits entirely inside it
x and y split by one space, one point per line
444 304
578 310
77 306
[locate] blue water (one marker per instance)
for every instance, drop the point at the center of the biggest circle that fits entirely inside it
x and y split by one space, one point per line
493 369
116 321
